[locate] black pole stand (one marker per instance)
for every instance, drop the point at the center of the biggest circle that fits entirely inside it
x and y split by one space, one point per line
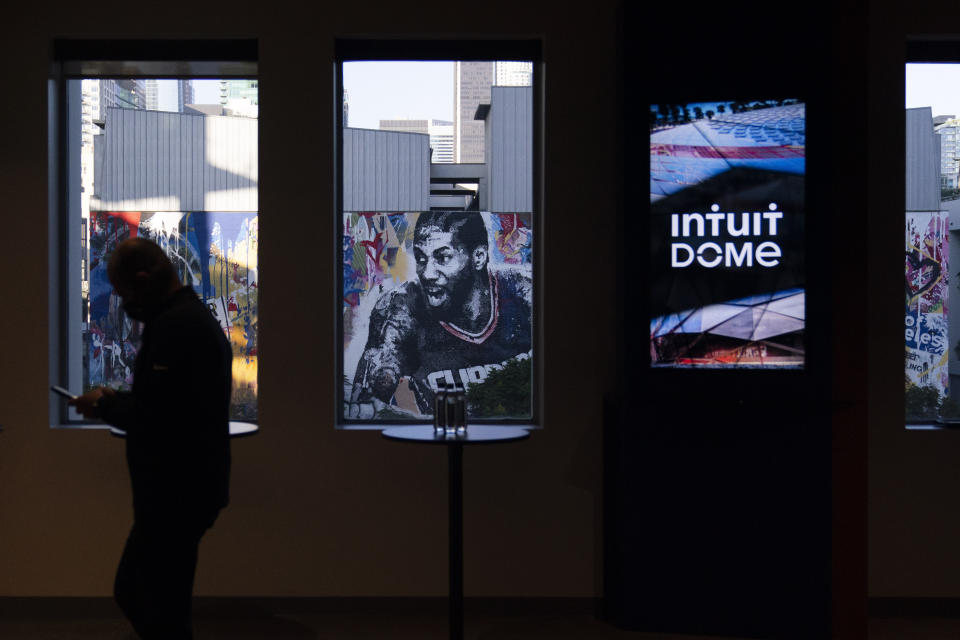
455 517
475 435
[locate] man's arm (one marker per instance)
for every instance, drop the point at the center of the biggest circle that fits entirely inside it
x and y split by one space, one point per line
116 408
390 354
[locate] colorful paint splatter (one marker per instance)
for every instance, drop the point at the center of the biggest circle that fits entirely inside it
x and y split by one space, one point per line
925 288
216 254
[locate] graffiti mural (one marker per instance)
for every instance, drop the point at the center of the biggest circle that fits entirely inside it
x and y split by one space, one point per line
433 298
215 254
925 288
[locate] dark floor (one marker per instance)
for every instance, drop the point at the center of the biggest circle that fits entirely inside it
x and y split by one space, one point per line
330 627
915 629
98 619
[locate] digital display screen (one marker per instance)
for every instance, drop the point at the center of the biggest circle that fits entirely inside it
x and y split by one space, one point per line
727 182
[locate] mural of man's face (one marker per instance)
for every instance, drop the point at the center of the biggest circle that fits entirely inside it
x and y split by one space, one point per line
444 269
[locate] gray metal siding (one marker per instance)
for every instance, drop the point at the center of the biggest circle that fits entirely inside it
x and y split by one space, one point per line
510 158
159 161
385 170
923 162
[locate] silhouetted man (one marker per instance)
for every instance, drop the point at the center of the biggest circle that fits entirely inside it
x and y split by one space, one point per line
177 434
453 324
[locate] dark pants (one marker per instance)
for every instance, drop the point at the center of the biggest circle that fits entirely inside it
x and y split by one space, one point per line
154 584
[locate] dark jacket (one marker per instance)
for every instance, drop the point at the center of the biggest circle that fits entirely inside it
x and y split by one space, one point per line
177 416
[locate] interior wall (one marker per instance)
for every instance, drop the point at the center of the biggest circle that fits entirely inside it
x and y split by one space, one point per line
914 476
315 511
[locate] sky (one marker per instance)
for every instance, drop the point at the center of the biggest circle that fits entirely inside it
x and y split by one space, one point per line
376 90
204 92
934 85
380 90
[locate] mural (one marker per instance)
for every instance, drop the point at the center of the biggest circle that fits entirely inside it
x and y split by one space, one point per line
215 253
432 298
925 287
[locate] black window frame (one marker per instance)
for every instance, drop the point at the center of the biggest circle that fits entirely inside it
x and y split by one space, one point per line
77 59
466 50
929 50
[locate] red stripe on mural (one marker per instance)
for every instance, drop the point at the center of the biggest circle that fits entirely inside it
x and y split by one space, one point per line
731 153
132 218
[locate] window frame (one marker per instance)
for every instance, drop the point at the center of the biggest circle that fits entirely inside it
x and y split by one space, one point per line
75 60
929 51
364 49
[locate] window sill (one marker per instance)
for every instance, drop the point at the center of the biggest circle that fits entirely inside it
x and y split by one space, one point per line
933 426
371 426
235 426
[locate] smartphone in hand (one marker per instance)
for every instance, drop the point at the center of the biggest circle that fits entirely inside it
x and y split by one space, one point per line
60 391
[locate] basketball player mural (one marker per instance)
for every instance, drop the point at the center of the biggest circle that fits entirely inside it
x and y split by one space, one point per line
460 319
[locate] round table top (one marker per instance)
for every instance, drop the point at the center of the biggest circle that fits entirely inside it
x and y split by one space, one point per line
237 430
475 434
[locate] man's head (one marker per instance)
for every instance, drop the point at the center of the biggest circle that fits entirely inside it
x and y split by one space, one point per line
451 251
141 274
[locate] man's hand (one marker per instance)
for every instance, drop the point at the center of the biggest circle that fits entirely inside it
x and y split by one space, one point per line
86 404
362 405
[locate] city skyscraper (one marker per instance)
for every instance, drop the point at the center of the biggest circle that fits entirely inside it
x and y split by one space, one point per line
184 94
471 87
441 141
239 89
128 93
240 97
948 128
511 73
440 132
152 93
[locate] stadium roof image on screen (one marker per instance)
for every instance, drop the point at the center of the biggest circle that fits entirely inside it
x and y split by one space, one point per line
727 208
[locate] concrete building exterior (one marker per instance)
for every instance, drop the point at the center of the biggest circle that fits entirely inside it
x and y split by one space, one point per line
508 134
471 87
440 133
162 161
513 73
406 125
385 170
948 130
389 169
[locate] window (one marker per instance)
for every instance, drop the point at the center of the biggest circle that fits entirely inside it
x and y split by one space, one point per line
156 140
437 222
932 221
